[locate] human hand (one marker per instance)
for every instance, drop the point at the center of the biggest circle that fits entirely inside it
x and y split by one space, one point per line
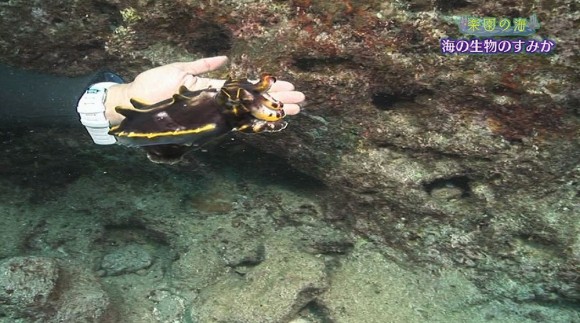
162 82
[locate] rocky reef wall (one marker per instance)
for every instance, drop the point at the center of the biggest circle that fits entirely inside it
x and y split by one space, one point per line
454 160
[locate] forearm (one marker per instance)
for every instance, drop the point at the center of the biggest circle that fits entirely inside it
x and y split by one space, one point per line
28 97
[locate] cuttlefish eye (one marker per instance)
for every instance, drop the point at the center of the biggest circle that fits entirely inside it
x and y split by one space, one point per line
245 95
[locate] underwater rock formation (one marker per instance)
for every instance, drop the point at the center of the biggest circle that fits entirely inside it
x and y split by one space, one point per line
466 161
44 289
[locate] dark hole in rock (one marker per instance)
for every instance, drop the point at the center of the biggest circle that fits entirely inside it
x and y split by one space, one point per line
384 101
318 63
443 5
420 5
92 44
210 39
448 5
461 182
111 11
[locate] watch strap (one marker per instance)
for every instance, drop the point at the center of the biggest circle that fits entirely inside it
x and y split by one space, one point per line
91 108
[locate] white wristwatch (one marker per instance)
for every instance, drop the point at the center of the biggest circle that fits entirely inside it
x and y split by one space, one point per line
91 108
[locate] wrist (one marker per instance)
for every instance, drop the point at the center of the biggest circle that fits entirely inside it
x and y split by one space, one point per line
116 96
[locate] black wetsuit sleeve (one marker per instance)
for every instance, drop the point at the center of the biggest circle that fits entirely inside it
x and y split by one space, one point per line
31 98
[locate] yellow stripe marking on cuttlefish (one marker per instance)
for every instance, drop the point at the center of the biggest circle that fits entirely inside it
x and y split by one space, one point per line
205 128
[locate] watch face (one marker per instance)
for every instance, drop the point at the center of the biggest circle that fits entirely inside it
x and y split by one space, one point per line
92 90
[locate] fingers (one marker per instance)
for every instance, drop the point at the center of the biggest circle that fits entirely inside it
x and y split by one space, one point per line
282 86
281 90
291 109
290 100
203 65
288 96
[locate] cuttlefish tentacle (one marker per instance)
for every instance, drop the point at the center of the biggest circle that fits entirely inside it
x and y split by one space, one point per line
265 83
257 126
268 109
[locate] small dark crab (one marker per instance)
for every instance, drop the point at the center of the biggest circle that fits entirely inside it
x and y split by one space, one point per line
167 129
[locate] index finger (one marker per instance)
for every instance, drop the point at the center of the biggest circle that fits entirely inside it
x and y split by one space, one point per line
282 86
203 65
